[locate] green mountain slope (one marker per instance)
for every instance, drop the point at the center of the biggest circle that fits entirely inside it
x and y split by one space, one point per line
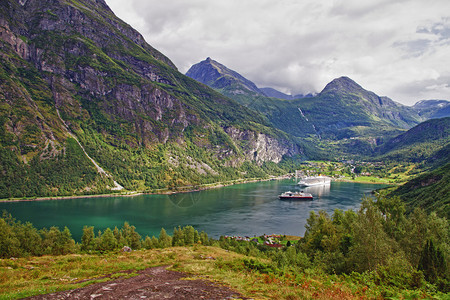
76 80
344 116
427 143
430 191
343 109
423 142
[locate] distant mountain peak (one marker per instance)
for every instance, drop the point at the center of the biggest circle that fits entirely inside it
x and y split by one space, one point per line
216 75
342 84
431 109
271 92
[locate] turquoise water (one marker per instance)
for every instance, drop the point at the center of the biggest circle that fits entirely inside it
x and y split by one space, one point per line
244 209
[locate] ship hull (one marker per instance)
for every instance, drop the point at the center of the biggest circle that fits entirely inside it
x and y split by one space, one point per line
295 198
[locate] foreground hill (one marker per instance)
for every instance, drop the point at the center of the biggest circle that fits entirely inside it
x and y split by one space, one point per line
427 145
79 86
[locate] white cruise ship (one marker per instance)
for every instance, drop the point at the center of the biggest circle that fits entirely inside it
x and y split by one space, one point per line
314 180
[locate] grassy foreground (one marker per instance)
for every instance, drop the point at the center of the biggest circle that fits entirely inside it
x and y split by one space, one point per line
25 277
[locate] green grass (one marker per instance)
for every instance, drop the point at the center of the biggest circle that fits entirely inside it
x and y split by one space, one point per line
368 179
26 277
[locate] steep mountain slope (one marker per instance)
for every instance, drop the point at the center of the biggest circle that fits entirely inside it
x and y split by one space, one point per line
279 112
430 191
432 109
75 81
342 110
420 143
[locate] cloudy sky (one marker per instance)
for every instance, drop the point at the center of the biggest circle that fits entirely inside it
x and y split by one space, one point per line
395 48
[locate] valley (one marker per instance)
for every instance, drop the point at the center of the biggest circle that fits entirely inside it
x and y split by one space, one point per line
105 130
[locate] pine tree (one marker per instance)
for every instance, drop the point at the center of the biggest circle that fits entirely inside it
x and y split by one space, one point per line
9 244
371 245
189 235
148 244
155 242
129 234
204 238
178 237
88 239
164 240
432 262
107 241
66 242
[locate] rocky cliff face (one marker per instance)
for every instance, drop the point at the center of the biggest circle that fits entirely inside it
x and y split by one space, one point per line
73 66
260 147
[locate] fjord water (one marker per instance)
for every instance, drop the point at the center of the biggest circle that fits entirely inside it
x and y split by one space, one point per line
244 209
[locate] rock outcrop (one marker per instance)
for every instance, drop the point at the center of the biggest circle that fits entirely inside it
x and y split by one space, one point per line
73 66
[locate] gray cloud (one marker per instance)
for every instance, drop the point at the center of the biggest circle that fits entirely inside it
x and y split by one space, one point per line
399 49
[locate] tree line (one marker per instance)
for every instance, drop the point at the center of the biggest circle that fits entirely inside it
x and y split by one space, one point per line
379 245
19 239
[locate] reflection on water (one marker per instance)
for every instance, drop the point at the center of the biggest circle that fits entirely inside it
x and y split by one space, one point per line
318 191
184 199
245 209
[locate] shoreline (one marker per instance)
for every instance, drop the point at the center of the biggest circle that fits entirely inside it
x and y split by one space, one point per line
178 190
370 182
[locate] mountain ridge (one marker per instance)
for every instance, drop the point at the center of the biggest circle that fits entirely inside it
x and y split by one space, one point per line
420 143
432 109
74 67
273 93
343 109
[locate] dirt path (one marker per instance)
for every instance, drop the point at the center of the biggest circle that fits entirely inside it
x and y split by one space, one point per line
152 283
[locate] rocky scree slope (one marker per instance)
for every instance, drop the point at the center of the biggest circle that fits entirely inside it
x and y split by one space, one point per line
73 67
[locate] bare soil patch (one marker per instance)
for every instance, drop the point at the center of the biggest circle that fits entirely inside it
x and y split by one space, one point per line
152 283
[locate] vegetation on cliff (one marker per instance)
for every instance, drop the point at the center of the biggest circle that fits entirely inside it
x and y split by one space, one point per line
429 191
72 69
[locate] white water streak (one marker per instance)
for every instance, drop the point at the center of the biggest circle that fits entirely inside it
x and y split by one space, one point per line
117 187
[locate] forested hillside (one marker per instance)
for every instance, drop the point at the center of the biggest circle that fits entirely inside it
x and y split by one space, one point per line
419 144
76 81
343 119
430 191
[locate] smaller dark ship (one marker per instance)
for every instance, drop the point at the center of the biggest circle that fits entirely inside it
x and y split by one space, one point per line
295 196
